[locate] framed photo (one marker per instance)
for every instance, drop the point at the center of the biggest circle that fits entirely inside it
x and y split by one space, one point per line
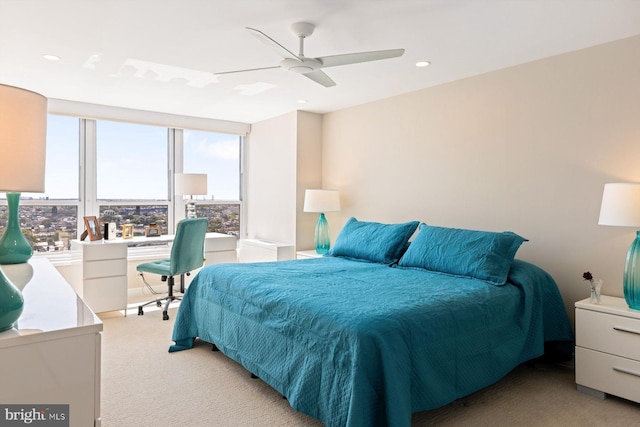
127 231
109 231
92 228
152 230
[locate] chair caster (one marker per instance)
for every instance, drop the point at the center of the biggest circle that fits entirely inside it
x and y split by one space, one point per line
140 312
165 316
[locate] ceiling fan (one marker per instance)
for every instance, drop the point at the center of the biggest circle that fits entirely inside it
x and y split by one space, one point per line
312 67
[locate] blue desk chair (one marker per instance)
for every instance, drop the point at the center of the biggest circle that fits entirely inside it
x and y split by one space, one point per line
187 254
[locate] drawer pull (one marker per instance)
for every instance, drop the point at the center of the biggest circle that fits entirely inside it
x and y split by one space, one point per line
631 331
624 371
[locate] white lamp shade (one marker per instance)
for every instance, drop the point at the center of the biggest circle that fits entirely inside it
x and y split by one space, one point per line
321 201
23 136
620 205
191 184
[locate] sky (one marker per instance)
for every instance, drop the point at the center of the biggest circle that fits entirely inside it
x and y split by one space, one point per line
132 161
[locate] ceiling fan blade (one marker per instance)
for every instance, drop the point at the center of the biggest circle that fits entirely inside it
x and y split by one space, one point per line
242 71
354 58
319 76
280 50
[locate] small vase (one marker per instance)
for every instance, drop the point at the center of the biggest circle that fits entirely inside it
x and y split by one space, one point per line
11 303
14 247
596 288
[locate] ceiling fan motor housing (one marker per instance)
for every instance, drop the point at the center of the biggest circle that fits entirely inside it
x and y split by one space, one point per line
302 29
304 66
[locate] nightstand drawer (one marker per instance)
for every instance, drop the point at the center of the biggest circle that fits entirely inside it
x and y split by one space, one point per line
611 374
608 333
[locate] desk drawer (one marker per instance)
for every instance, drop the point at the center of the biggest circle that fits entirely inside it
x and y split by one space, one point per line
102 250
611 374
608 333
107 268
106 294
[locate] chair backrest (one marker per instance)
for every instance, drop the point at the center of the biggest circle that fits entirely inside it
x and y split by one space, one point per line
187 252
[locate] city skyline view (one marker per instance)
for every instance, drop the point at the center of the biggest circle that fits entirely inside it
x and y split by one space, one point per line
51 228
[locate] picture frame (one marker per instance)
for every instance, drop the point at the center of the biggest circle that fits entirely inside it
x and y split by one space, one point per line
109 231
127 231
92 228
152 230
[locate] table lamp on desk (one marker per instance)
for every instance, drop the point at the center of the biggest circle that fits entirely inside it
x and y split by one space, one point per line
191 184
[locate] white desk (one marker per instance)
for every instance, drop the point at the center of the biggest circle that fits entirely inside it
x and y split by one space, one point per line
53 354
99 268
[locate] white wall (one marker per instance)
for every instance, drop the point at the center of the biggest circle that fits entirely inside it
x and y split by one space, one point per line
284 157
526 149
271 179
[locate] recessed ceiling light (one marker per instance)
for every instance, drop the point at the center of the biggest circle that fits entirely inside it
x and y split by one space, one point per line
422 63
302 101
51 57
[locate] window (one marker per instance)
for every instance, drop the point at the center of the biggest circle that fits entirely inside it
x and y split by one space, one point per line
139 215
122 173
61 173
218 156
131 161
50 220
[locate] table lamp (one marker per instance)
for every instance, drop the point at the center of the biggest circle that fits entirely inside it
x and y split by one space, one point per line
621 207
321 201
23 135
191 184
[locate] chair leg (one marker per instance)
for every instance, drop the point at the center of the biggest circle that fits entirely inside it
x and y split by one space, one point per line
170 297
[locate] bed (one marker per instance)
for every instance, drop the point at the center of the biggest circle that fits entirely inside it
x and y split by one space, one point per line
354 341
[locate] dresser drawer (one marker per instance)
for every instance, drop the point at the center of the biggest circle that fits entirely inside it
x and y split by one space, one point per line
617 335
611 374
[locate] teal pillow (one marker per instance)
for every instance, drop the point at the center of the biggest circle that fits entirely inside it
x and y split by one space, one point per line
481 255
373 241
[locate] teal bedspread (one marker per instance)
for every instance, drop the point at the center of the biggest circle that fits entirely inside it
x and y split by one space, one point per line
363 344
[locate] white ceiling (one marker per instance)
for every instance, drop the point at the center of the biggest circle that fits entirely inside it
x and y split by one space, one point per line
160 55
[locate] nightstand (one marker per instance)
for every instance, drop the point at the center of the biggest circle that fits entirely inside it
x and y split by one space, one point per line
608 348
307 254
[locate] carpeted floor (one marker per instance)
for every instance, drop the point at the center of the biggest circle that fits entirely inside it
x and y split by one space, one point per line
144 385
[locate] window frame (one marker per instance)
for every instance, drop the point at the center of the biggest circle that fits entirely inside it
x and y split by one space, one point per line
87 203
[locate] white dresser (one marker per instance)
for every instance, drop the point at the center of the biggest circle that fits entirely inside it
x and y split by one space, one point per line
311 253
608 348
99 268
52 356
257 250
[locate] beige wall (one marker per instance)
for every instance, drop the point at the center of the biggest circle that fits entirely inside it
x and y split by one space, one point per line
309 172
526 149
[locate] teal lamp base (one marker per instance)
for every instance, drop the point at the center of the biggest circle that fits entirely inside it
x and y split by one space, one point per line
321 239
631 282
11 303
14 247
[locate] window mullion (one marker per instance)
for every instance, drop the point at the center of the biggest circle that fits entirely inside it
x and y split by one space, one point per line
90 203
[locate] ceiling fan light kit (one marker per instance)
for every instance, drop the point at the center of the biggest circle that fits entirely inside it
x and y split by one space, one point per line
312 67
